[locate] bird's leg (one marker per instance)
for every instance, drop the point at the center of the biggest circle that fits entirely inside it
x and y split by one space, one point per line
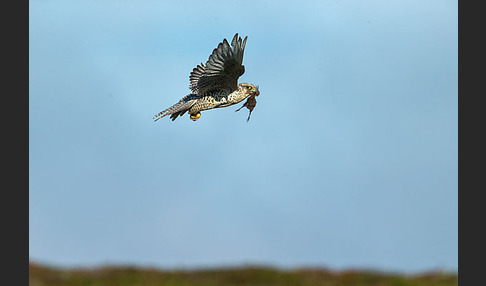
195 117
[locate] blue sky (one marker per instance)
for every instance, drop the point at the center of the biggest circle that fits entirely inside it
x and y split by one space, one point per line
349 159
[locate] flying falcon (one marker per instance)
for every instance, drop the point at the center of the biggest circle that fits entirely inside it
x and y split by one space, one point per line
215 84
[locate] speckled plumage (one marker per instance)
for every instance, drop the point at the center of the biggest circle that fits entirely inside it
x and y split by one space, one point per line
215 84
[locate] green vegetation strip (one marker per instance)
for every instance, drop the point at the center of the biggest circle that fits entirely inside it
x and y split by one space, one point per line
40 275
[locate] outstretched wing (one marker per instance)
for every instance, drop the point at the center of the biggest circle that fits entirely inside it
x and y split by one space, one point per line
222 69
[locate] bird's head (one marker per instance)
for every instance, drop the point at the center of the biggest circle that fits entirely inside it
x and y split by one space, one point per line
249 89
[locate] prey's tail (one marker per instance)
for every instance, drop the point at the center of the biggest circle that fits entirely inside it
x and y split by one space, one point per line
179 108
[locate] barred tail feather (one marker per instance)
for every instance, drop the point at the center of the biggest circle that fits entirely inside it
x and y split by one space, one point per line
179 108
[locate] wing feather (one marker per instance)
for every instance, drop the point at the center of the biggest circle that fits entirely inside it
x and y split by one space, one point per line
222 69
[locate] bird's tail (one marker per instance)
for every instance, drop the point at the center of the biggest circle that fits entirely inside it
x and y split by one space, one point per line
178 109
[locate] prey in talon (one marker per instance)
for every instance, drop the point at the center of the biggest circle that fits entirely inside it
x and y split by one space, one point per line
250 102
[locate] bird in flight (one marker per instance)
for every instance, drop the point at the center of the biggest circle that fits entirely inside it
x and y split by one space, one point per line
215 84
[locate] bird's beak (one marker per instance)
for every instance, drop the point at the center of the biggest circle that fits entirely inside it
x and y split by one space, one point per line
255 91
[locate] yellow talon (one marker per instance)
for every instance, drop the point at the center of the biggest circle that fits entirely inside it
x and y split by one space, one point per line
195 117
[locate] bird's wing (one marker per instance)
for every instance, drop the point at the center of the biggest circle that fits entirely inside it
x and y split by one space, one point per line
222 69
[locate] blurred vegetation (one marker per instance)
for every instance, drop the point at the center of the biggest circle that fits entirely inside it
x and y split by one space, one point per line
40 275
